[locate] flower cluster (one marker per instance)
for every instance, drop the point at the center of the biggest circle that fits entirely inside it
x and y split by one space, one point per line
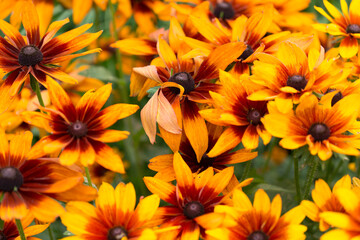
241 101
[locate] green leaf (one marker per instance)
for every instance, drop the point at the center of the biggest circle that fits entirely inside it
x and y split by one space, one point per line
100 73
152 91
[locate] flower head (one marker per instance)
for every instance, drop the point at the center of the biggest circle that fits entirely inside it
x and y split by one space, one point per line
345 24
261 220
192 199
114 215
27 184
37 56
81 131
322 127
324 200
233 109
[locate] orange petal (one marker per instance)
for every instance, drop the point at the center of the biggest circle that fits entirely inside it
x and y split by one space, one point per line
166 117
60 99
106 157
92 101
195 128
220 58
348 47
167 55
81 9
164 190
184 176
109 135
250 138
135 46
12 33
229 139
42 207
149 116
70 154
111 114
30 20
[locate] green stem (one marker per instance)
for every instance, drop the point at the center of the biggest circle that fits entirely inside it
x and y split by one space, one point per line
88 176
20 229
328 169
268 158
246 170
35 87
311 176
51 236
297 182
137 166
358 166
338 166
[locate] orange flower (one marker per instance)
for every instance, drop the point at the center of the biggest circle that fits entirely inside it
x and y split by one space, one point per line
33 55
81 131
114 216
261 220
233 109
345 24
192 199
320 126
27 184
346 224
9 231
184 82
291 73
324 200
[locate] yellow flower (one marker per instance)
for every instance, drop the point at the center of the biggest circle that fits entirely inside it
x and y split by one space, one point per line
318 125
113 217
324 200
347 223
260 220
345 24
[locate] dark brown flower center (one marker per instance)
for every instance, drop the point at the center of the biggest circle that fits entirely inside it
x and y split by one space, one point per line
185 80
254 117
30 55
10 179
297 81
337 97
224 10
116 233
193 209
206 162
319 131
78 129
2 235
353 28
248 51
258 235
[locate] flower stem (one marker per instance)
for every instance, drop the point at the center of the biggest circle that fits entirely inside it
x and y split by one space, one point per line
268 158
20 229
246 170
296 176
311 176
36 88
88 176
